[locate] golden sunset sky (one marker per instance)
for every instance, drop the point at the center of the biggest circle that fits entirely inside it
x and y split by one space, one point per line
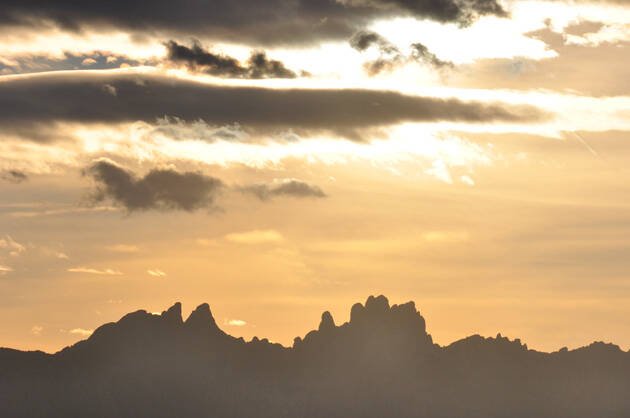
281 158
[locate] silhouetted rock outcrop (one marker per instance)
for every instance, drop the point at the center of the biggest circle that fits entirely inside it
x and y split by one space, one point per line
380 363
327 324
174 314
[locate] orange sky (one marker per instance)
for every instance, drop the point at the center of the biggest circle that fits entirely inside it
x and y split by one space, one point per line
498 203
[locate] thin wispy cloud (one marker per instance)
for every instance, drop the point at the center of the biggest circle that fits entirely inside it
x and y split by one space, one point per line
81 332
255 237
36 212
14 247
156 273
123 248
110 272
51 252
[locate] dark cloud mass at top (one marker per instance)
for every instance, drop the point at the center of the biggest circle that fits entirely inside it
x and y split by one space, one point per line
164 189
255 21
127 97
197 58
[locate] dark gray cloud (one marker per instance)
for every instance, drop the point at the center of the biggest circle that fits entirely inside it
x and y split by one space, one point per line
13 176
126 97
163 189
289 187
421 53
255 21
462 12
390 56
364 39
197 58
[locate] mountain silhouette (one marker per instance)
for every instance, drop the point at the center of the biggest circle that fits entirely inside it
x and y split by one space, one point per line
382 363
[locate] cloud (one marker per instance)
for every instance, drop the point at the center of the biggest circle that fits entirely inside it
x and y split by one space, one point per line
14 247
364 39
178 129
37 330
110 272
467 180
270 22
440 170
390 56
4 269
13 176
236 322
22 63
255 237
54 253
422 54
555 73
123 248
285 187
39 100
445 236
82 332
197 58
156 273
206 242
33 212
163 189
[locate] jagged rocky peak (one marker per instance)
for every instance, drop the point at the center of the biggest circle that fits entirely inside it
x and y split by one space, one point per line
377 307
327 323
378 312
378 304
201 318
173 314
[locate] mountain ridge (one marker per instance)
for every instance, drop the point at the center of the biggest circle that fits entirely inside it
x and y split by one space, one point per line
375 308
382 362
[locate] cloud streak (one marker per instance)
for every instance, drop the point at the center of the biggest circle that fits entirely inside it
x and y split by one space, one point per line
286 187
255 237
109 272
40 100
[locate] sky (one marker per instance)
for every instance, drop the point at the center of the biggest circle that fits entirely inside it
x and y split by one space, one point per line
280 158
